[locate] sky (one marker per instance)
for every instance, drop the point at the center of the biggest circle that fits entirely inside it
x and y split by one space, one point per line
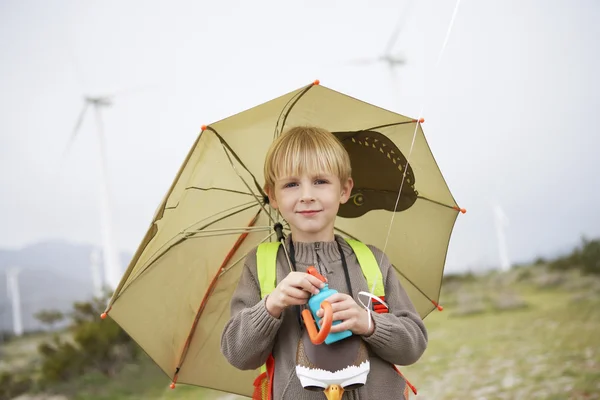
510 104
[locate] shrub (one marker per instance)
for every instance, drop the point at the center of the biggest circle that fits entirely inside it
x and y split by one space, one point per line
93 345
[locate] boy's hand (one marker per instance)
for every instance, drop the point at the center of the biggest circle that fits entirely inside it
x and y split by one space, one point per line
353 316
294 289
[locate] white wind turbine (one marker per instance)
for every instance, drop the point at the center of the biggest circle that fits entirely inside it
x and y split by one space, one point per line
389 57
112 267
96 273
14 294
501 223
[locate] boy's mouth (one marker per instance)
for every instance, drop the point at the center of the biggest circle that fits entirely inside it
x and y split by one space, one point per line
308 212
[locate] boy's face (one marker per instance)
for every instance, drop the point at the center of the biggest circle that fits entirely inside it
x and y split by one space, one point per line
310 204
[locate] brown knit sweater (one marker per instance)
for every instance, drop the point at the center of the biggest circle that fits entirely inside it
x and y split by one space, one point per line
252 333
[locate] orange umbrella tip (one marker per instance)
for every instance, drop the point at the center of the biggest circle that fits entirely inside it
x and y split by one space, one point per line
440 308
462 210
172 385
420 120
103 315
316 82
203 127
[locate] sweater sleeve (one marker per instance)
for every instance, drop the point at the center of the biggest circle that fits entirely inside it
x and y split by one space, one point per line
248 336
400 336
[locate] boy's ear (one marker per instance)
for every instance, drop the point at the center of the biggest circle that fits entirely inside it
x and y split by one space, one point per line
271 194
346 190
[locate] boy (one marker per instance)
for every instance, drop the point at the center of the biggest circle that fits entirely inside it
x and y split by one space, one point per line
308 176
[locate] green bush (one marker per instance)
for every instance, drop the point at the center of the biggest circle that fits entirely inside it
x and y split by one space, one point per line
12 385
92 345
590 256
585 257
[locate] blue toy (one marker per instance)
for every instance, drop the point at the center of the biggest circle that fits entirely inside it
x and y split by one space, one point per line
315 303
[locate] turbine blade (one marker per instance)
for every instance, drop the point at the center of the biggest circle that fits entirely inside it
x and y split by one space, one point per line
399 26
130 91
76 129
362 61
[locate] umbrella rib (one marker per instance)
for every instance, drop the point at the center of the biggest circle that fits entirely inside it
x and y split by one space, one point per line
227 147
436 304
287 110
208 189
224 271
219 189
225 232
174 241
207 294
436 202
275 131
246 206
412 121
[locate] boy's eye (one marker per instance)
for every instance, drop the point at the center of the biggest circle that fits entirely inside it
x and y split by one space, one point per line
290 184
321 181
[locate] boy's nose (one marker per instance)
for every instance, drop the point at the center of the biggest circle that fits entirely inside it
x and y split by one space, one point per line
307 195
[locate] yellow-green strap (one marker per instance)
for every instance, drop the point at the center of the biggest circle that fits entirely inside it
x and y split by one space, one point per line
266 267
369 266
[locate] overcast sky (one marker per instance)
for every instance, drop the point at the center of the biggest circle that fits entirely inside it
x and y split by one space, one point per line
511 110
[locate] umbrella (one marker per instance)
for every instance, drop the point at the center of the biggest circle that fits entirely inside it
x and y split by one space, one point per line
173 300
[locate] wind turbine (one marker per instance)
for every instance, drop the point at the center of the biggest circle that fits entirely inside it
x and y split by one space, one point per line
96 273
12 286
501 223
389 57
112 267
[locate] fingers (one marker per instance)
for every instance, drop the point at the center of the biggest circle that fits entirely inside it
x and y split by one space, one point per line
311 284
344 315
346 304
304 281
339 298
345 325
295 293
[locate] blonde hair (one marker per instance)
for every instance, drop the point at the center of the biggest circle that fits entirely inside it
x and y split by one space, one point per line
306 149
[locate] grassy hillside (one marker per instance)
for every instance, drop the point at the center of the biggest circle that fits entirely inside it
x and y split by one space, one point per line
519 336
527 334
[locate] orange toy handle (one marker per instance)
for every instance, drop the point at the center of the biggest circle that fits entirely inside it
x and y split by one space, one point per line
318 337
313 271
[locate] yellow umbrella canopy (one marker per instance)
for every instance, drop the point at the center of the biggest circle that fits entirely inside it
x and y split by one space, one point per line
173 300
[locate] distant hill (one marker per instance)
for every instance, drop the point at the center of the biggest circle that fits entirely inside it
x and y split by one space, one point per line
53 275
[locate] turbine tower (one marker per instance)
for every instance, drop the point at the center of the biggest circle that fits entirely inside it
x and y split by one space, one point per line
112 267
97 284
12 283
501 223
